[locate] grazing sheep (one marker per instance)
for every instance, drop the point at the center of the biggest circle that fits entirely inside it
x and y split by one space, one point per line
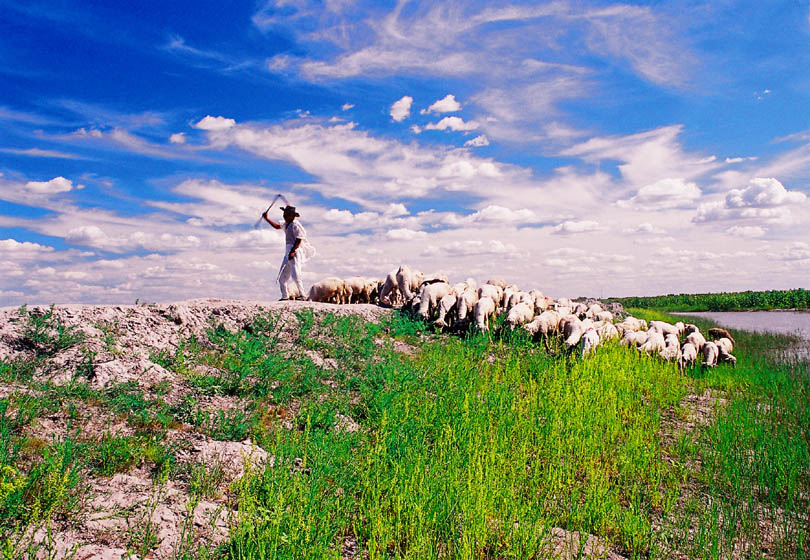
590 340
580 310
631 323
328 290
665 328
466 303
520 314
634 338
563 310
495 293
710 354
724 348
389 289
688 355
608 331
572 330
484 309
408 281
358 289
655 343
672 348
689 328
430 297
446 305
500 282
725 343
541 303
593 310
605 316
697 339
715 333
544 324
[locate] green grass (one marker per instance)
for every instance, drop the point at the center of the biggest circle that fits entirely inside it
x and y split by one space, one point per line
472 447
724 301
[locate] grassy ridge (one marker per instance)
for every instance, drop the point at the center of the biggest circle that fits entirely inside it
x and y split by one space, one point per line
467 448
726 301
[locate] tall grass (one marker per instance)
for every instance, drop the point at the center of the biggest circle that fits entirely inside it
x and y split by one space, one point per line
472 449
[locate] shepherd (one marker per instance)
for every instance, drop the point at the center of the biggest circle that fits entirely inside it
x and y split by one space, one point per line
297 252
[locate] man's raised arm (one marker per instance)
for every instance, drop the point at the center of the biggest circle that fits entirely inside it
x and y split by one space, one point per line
271 222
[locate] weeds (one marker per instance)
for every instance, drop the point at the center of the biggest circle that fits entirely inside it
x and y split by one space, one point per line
46 334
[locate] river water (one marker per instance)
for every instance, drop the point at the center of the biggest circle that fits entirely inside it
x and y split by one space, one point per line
792 322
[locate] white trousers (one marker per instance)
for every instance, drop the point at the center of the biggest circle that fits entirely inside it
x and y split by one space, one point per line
290 270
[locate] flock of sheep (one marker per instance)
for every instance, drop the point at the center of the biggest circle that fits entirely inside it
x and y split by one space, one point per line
578 325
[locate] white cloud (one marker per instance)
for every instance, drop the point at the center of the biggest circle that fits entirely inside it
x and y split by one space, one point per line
481 140
797 251
214 123
87 235
764 200
14 247
256 239
493 214
746 231
664 194
763 193
404 234
452 123
472 247
446 104
570 227
178 138
416 129
38 152
645 228
347 106
401 109
54 186
645 158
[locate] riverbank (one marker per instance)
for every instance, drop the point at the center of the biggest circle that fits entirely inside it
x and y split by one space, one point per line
289 433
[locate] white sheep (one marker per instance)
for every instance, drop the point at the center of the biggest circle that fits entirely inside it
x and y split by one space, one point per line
358 289
572 330
634 339
466 303
688 355
520 314
495 293
605 316
484 309
408 281
328 290
590 340
667 328
430 296
446 305
710 354
697 339
724 348
544 324
608 331
672 348
655 343
389 289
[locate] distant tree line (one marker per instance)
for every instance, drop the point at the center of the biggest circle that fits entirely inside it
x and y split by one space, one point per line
725 301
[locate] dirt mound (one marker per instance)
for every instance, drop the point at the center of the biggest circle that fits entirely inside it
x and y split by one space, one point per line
124 340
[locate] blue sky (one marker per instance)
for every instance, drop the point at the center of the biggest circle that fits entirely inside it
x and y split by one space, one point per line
582 148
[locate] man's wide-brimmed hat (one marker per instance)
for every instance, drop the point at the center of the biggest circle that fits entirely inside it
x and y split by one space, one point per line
290 210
